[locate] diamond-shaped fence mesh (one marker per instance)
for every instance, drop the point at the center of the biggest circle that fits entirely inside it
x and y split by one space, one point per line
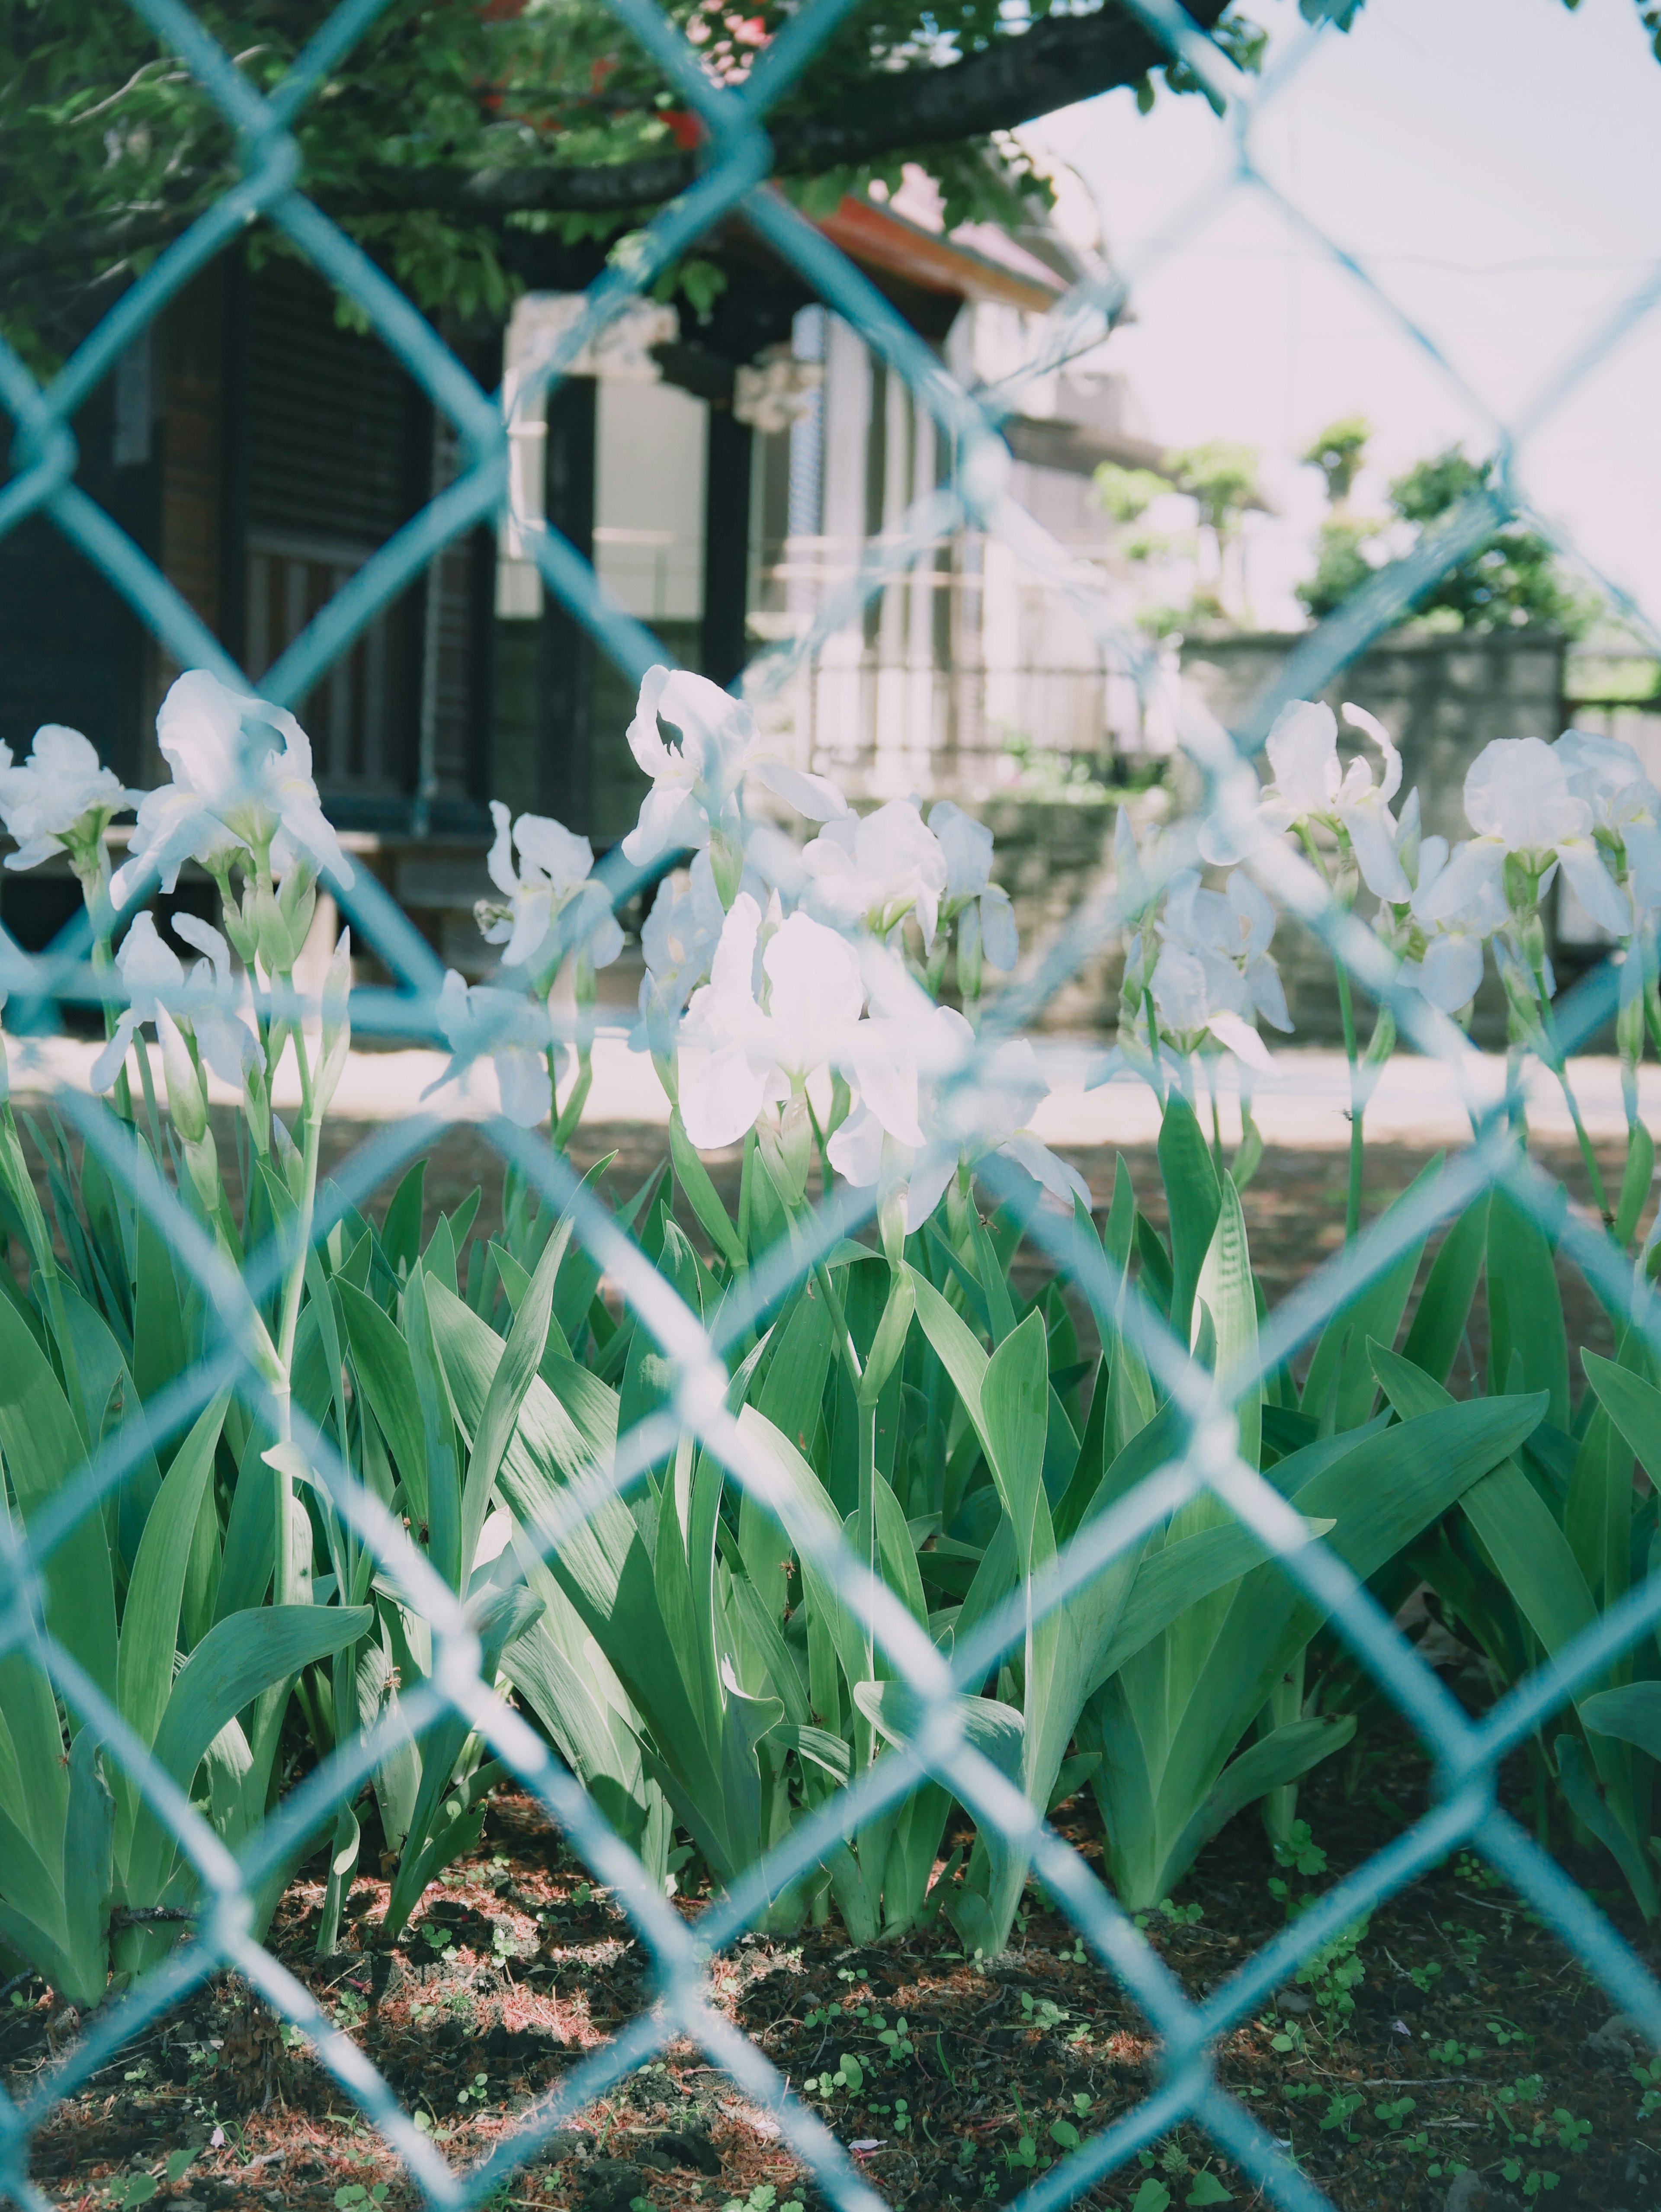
686 1421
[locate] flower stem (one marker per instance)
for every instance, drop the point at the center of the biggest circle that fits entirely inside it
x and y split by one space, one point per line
1599 1197
565 1122
868 1420
151 1113
846 1352
1216 1123
1357 1109
1153 1042
95 891
288 1323
1559 1067
882 1360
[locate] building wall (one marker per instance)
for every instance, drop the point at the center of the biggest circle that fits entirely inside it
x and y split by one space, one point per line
650 463
968 656
72 650
1442 699
645 524
190 342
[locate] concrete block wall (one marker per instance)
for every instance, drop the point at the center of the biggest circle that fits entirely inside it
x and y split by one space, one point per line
1442 698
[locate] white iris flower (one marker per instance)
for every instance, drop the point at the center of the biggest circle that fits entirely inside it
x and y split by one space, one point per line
241 780
696 784
871 870
1311 786
967 845
61 799
554 874
514 1032
1519 802
751 1040
963 1122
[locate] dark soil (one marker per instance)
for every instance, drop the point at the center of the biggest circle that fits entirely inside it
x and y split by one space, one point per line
1473 2040
1293 1205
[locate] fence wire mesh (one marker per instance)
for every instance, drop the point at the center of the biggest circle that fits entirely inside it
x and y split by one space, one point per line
1204 1457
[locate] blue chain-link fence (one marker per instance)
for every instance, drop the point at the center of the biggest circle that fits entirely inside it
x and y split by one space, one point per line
1204 1453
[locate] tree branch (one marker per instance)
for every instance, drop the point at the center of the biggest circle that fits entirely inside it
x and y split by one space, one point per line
91 241
1061 59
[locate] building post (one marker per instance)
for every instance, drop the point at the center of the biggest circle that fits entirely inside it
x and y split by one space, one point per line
725 640
565 684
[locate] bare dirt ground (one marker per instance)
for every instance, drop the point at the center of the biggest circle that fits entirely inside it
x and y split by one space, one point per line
1294 1204
1456 2033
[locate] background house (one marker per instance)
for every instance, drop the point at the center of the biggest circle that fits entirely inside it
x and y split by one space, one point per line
724 479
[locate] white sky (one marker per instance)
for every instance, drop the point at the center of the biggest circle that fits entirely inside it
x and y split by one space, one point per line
1496 165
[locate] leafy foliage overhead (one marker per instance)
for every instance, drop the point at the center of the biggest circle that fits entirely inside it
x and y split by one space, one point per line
443 125
446 130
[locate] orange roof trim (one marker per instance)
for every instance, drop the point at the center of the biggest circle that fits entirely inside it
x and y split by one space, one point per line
882 240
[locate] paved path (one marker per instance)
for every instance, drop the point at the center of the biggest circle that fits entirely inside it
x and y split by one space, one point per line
1417 1102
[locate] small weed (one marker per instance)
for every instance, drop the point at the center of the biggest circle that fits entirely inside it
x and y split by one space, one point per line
476 2091
1648 2079
1454 2055
1334 1969
1179 1916
899 2114
1526 2089
353 2197
1301 1851
1342 2105
1535 2180
849 2076
1025 2153
1476 1874
763 2197
1154 2196
1043 2013
143 2183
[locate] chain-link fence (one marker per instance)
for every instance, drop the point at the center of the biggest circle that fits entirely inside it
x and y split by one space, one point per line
1201 1454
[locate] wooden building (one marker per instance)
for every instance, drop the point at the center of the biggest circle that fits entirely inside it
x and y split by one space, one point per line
260 453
